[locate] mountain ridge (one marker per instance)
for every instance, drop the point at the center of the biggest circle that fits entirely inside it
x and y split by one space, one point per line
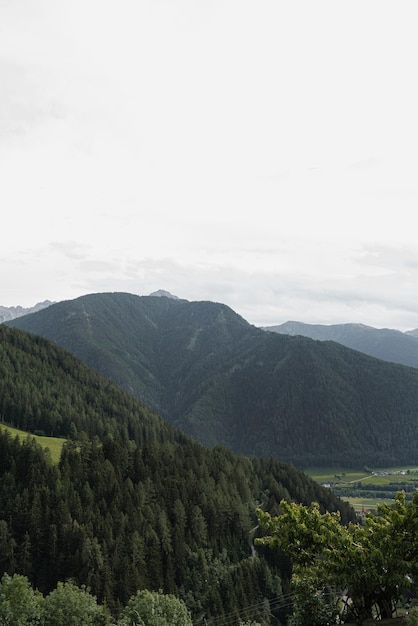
12 312
216 377
382 343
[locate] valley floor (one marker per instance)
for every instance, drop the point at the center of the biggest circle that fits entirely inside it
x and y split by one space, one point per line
366 488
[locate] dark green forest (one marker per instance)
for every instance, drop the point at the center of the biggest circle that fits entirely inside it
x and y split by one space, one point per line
210 373
133 503
45 389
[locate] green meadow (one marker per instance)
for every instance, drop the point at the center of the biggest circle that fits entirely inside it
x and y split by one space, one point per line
367 488
53 444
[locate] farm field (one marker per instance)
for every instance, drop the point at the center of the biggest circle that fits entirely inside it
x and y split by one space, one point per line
367 488
54 444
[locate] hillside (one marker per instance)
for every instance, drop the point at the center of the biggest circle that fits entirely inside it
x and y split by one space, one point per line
132 503
216 377
44 388
382 343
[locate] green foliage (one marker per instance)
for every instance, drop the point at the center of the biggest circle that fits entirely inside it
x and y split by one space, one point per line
148 608
375 561
412 619
120 518
20 605
69 604
314 604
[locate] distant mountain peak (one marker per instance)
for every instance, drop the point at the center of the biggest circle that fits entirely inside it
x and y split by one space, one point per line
161 293
12 312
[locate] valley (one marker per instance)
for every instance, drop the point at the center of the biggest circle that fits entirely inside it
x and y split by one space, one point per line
366 489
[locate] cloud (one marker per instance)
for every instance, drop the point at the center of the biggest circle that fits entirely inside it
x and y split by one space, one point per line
73 250
365 163
262 298
214 150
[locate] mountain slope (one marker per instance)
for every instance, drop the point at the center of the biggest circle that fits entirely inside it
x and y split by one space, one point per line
216 377
132 503
44 388
382 343
151 346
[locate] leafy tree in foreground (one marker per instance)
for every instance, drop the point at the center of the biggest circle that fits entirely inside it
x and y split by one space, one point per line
149 608
313 605
371 562
20 605
69 604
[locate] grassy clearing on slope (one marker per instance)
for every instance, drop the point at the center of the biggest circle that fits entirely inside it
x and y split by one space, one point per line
54 444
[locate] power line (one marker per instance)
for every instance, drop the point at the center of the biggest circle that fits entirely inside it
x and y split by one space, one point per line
282 601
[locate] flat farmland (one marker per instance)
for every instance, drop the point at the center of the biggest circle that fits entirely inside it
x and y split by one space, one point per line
367 488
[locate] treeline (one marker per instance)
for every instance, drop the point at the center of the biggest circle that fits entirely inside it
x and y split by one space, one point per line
119 518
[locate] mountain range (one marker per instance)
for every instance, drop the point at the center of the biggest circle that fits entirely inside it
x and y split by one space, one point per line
221 380
8 313
383 343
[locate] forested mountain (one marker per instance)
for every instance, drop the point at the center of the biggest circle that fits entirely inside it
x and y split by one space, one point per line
133 503
45 389
382 343
205 369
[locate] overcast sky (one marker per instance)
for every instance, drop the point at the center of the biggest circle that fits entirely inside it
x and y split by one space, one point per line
261 153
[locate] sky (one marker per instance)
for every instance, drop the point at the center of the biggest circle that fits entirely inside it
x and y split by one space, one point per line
262 154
